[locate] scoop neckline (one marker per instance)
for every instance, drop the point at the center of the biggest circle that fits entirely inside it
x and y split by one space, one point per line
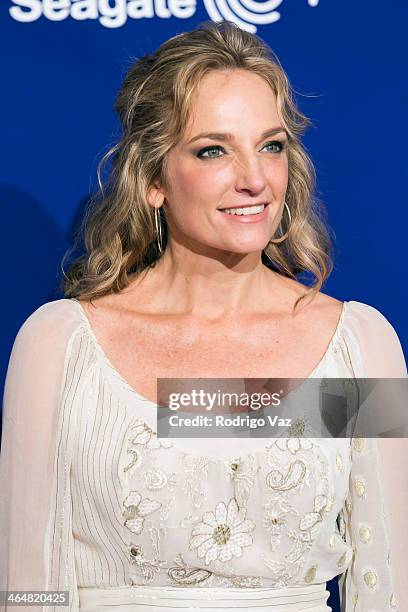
330 348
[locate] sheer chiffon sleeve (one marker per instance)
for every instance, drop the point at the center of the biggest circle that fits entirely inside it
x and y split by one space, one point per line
35 532
372 518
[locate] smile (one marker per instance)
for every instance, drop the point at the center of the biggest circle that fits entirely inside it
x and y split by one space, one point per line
249 210
246 214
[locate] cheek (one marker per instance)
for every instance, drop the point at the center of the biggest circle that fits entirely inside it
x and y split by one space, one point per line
278 173
196 183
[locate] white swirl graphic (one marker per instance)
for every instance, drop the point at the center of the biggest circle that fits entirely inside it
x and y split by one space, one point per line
247 14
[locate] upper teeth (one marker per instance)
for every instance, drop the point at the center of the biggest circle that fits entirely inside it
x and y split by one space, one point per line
249 210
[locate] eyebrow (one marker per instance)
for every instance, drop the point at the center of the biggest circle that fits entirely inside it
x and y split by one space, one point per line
229 136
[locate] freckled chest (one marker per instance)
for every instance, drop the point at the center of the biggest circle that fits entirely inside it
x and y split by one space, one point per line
152 348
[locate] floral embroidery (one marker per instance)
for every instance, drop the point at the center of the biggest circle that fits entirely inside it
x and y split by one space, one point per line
242 582
243 479
142 434
157 479
135 462
187 576
188 520
141 566
284 482
293 445
287 469
311 519
222 534
281 517
136 509
274 519
196 470
141 442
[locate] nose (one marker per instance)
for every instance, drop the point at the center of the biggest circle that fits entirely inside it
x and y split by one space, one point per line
250 175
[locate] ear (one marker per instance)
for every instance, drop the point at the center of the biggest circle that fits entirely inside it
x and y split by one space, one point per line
155 196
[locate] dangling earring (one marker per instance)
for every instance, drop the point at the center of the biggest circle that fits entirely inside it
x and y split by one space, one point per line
284 236
158 229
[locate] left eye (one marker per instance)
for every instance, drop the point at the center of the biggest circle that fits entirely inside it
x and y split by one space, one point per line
276 143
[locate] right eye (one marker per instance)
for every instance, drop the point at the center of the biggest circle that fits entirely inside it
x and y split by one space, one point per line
201 152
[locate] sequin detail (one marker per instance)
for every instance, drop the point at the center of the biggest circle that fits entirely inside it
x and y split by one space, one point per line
360 487
310 574
364 533
371 579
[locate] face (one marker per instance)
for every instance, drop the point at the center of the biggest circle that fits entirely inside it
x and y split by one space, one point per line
232 155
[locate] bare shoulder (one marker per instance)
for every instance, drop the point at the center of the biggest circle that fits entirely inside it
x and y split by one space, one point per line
99 309
323 311
114 305
110 315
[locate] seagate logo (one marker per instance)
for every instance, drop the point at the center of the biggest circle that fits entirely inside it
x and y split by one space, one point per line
247 14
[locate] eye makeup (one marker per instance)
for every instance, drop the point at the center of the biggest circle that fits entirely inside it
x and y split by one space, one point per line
281 144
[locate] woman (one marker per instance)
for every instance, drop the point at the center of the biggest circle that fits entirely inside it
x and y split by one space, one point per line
209 173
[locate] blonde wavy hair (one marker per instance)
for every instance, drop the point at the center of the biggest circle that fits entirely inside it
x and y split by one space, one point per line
154 106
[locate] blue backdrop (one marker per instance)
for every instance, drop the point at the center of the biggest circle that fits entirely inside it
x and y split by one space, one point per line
64 60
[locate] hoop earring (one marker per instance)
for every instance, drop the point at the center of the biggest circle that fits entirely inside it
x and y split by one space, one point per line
159 234
284 236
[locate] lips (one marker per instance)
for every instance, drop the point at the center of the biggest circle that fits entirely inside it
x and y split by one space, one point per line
245 219
245 205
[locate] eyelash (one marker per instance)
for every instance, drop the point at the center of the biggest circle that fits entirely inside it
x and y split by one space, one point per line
281 144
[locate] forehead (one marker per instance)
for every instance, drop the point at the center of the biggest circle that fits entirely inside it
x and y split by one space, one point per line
232 98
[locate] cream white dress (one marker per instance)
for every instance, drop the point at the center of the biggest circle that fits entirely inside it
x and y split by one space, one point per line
93 502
